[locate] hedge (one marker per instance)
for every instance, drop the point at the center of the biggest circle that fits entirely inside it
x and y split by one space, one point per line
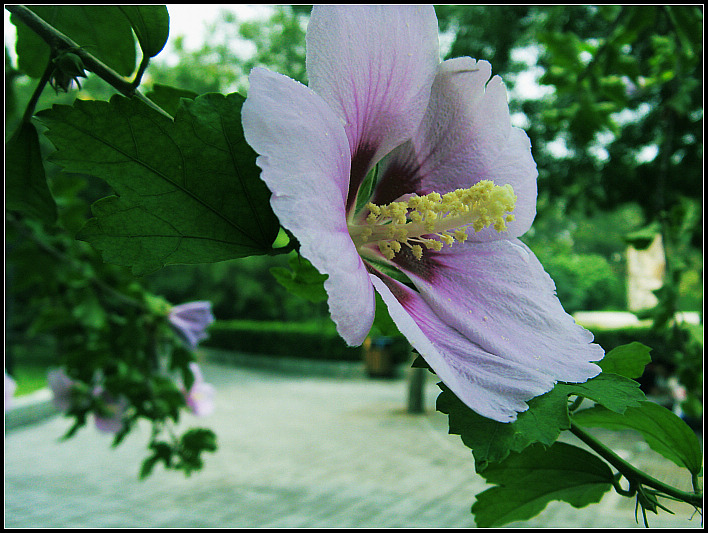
662 350
320 340
308 340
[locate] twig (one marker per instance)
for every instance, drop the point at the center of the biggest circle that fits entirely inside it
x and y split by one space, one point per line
29 110
58 41
632 474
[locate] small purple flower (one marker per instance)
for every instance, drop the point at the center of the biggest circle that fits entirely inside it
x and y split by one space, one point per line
191 321
10 387
112 410
61 386
200 397
455 188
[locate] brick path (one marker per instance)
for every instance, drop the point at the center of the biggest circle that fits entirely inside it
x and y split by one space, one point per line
294 452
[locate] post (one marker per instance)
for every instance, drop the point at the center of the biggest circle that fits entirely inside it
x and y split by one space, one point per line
416 387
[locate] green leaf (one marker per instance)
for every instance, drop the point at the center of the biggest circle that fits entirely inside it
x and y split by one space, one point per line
547 415
102 30
162 451
688 22
26 188
528 481
492 441
151 24
642 238
188 191
615 392
302 279
168 98
663 431
383 325
627 360
192 444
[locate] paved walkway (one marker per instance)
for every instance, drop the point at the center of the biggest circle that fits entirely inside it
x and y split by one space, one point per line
294 452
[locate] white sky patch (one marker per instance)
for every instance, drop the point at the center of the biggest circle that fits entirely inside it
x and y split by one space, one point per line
189 20
193 21
647 154
559 149
526 86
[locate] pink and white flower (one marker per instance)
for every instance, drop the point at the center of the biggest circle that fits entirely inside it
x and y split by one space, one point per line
200 396
455 188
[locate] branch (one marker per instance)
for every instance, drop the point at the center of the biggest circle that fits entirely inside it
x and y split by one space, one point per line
58 41
29 110
632 474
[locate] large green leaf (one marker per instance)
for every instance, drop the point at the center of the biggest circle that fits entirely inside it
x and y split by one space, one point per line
615 392
151 24
492 441
528 481
663 431
104 31
26 187
627 360
547 415
187 191
168 98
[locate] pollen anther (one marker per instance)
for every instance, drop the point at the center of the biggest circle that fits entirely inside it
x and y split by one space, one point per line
433 220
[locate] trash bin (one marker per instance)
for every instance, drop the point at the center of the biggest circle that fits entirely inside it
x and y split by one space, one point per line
378 357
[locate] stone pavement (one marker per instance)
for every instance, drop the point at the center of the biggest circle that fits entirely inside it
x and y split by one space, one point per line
294 451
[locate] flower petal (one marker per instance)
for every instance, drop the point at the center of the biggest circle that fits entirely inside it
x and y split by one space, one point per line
491 314
466 136
305 160
490 385
200 399
498 295
191 320
374 65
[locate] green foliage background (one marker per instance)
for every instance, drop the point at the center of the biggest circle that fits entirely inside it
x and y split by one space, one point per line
623 100
93 264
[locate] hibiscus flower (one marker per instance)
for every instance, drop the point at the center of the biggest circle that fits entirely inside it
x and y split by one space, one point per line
402 174
191 321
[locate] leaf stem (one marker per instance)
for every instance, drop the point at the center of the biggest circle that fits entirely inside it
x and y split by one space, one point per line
632 474
29 110
58 41
141 70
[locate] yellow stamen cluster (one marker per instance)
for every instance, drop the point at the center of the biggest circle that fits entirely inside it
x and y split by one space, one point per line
418 220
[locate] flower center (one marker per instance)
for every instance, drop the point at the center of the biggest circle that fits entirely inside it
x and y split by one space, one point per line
433 220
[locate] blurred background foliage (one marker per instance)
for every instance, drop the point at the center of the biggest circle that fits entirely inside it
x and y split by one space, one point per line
611 97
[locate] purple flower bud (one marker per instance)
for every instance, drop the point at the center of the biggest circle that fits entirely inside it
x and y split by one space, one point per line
191 321
200 397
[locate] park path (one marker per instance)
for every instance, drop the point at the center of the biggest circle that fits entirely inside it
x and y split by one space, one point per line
294 451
